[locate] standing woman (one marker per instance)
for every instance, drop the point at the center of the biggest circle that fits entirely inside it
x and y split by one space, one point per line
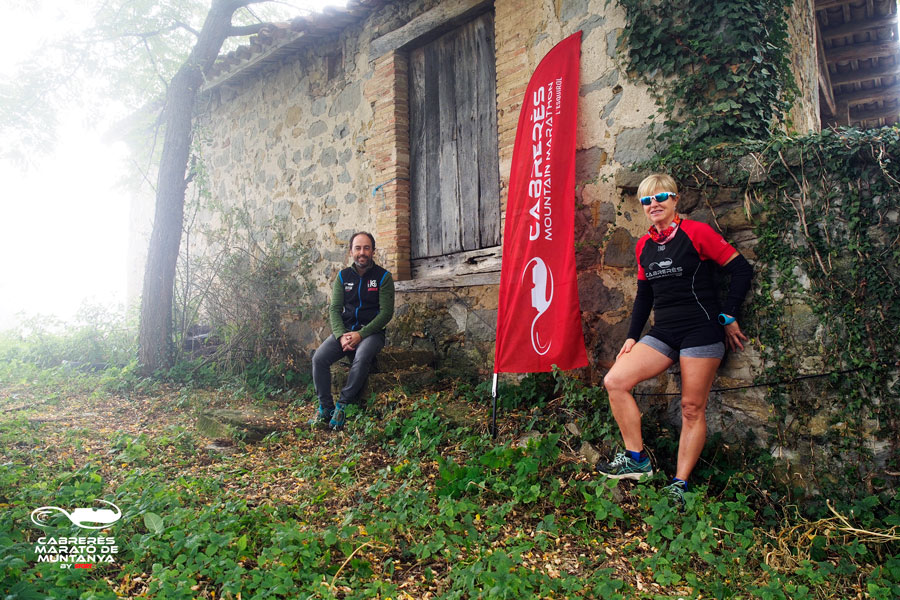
675 278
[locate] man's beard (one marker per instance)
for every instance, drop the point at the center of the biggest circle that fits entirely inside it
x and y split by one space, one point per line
365 266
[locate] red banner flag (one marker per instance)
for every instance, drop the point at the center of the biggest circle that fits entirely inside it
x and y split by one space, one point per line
538 317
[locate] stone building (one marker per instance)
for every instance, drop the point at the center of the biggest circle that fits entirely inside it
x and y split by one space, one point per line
340 122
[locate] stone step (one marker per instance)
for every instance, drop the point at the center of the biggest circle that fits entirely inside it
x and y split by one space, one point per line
392 359
412 379
412 369
249 424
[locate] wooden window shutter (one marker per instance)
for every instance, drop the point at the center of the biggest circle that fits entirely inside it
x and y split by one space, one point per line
455 187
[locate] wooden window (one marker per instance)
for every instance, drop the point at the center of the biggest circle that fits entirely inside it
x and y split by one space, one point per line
455 187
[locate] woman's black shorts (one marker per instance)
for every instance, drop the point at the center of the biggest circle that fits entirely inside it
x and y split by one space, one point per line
706 340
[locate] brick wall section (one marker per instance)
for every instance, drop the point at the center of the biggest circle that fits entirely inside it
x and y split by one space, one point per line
512 38
388 150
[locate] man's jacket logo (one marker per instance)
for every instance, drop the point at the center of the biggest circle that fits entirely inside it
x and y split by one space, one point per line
541 297
86 518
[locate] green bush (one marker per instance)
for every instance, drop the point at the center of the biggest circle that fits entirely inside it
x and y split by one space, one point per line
96 338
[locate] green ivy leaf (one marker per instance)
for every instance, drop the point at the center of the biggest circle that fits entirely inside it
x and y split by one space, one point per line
153 522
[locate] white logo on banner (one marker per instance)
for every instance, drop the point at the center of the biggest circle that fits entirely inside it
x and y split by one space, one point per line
541 297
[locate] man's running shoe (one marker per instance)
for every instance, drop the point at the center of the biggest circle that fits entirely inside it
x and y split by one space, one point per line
338 418
625 467
322 417
676 491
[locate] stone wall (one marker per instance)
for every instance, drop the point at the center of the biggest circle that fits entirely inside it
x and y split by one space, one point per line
289 146
307 142
804 116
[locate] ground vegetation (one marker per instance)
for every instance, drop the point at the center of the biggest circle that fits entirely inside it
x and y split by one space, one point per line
414 499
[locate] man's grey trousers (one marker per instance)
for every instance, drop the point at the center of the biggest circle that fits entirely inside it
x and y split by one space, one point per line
329 353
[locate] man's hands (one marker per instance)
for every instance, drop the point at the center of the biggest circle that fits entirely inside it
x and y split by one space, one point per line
350 340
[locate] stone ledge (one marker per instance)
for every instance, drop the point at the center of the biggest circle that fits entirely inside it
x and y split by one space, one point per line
249 424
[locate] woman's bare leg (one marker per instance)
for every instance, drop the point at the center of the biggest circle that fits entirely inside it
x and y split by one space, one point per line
642 363
697 376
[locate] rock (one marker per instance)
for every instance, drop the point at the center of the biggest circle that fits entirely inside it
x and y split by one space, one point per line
410 379
595 296
604 340
573 428
412 369
591 454
339 373
633 145
211 428
735 220
619 251
461 414
752 165
629 179
688 200
804 321
481 325
588 163
396 359
573 10
221 447
526 437
346 101
784 454
249 424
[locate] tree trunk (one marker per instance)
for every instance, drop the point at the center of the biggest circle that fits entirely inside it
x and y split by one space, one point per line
155 349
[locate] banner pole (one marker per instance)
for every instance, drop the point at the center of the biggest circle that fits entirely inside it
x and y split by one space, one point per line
494 409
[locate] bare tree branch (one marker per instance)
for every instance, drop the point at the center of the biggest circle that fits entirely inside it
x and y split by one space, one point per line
156 68
145 35
233 5
247 29
187 27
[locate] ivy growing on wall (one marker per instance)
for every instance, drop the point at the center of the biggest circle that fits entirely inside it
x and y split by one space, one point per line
719 71
825 207
827 216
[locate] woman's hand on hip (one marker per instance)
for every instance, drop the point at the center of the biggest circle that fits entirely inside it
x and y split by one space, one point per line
734 337
626 347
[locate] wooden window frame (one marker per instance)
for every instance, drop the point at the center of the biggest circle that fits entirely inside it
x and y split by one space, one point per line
391 155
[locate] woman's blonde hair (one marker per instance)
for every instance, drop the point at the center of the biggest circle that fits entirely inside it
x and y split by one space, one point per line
658 182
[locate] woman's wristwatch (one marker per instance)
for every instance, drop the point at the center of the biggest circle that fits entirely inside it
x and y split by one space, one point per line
726 319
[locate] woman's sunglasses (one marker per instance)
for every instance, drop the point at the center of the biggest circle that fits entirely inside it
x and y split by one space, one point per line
660 197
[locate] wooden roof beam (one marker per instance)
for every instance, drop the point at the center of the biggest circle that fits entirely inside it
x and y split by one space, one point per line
882 70
841 116
890 92
862 51
853 27
875 113
825 4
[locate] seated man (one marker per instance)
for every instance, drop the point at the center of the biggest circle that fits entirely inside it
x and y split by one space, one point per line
362 303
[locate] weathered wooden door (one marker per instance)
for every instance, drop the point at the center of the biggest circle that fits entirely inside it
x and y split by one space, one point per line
455 203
